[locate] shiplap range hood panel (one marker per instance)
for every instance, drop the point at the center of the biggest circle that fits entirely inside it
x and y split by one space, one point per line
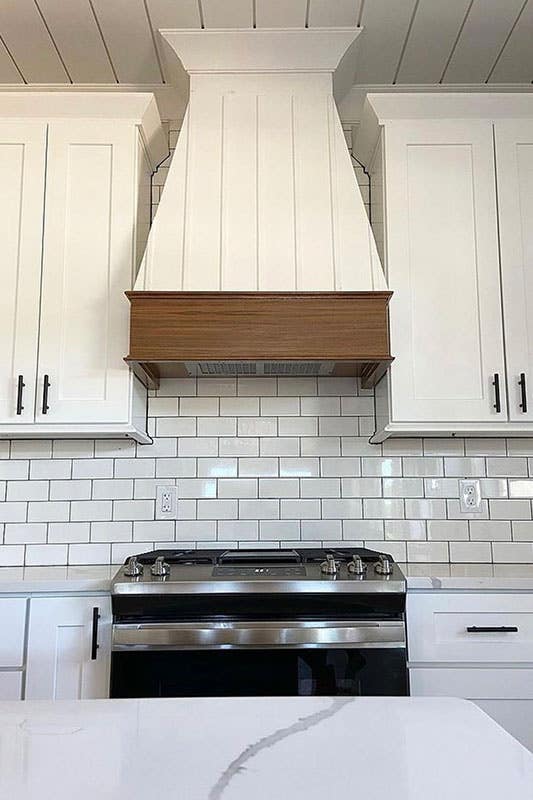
261 199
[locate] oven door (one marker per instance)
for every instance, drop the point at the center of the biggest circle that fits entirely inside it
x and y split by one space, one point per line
221 659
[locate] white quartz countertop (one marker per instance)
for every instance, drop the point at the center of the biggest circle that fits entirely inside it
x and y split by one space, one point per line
260 748
56 579
473 577
487 577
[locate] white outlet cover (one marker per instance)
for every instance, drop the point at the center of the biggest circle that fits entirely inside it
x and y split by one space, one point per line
166 502
470 496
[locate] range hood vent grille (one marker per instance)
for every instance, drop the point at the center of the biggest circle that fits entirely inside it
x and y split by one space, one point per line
259 368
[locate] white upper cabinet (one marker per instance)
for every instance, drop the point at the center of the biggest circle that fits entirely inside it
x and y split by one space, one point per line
452 204
74 202
442 244
87 265
22 165
514 164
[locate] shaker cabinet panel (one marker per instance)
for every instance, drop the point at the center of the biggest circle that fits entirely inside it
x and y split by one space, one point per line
514 164
443 269
22 168
87 265
63 662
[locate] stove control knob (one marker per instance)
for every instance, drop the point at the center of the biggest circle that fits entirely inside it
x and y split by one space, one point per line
160 568
383 566
357 566
329 566
133 567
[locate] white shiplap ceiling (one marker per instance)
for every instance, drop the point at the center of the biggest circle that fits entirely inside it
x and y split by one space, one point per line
404 42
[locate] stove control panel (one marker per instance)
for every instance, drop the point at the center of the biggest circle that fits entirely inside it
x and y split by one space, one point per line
259 572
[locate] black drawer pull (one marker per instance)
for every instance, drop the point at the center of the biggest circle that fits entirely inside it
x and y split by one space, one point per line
46 386
20 388
94 638
523 392
492 629
497 398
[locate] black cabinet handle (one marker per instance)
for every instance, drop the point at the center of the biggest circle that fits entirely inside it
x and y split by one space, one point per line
94 638
497 398
46 386
20 389
523 392
492 629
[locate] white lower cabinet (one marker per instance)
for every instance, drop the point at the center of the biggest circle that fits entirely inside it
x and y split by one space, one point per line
69 647
475 645
11 685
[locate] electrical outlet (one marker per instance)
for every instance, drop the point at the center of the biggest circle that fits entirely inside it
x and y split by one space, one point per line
470 496
166 502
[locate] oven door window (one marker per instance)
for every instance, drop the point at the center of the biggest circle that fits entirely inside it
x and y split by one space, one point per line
277 672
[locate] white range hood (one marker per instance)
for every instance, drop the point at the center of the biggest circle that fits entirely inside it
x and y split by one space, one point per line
261 197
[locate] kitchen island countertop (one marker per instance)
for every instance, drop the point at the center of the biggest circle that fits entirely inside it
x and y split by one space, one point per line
261 748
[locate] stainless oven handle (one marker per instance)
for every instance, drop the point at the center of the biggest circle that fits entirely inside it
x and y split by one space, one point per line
256 635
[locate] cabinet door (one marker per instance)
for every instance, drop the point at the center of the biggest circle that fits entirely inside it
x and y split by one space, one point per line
443 266
87 266
60 662
514 164
22 163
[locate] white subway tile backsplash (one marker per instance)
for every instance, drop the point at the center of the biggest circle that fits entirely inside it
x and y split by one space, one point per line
300 509
299 467
510 509
320 406
27 490
464 467
468 552
14 470
280 406
320 446
25 533
200 406
405 529
391 508
68 532
345 508
217 467
386 467
280 487
298 426
175 426
49 469
257 426
403 487
97 510
239 406
507 467
264 462
448 530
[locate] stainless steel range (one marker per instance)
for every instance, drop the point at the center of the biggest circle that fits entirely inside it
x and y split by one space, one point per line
258 622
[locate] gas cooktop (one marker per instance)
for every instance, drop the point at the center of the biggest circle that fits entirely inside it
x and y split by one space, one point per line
259 571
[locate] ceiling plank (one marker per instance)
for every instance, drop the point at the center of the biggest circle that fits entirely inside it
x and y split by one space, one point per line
385 25
8 71
280 13
78 39
170 14
337 13
515 64
127 33
481 39
228 13
29 42
433 34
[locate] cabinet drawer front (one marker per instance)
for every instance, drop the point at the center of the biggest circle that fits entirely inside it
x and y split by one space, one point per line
491 628
12 627
10 685
472 683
